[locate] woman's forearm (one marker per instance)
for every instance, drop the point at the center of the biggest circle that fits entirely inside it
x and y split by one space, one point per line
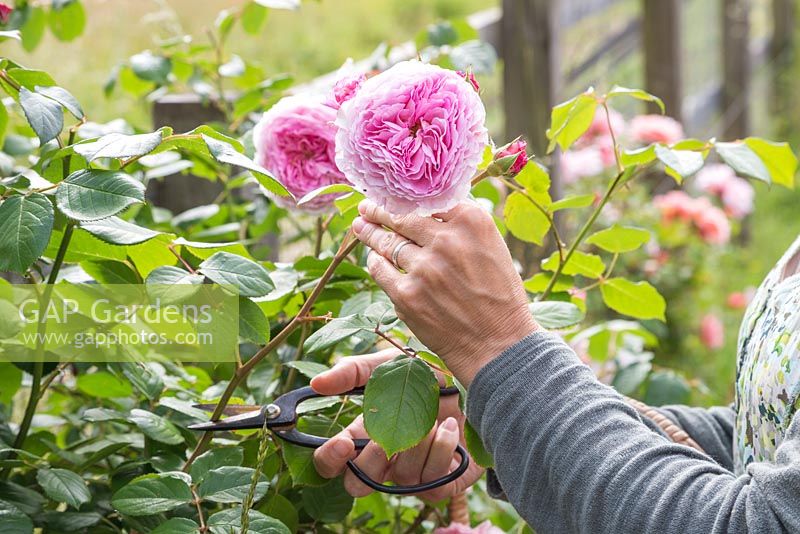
572 456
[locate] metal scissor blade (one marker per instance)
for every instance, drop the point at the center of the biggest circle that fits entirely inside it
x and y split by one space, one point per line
243 421
232 409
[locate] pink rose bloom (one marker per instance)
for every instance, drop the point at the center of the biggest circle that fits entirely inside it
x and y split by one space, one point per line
599 126
294 140
605 144
344 89
675 204
713 179
459 528
713 225
518 148
648 129
581 163
712 332
5 12
738 198
412 137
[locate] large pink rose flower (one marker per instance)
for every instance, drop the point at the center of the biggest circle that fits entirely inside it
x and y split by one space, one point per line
412 137
294 140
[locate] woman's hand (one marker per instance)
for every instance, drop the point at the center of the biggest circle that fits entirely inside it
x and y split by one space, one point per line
431 459
458 290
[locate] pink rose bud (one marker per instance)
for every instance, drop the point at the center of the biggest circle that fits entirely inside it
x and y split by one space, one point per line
712 332
344 89
470 77
5 12
509 160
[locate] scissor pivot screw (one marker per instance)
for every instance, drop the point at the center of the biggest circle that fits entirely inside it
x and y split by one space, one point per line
273 411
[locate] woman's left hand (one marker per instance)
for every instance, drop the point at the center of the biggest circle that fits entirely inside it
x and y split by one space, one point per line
455 284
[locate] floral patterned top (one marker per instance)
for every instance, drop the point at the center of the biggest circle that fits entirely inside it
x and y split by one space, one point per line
768 370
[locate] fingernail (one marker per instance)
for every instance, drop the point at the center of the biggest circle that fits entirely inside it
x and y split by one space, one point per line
341 448
358 224
450 424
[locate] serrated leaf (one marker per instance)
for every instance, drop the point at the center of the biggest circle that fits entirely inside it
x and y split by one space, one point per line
329 503
524 220
63 97
118 231
156 427
337 330
152 494
64 486
71 521
26 223
213 459
44 115
13 520
230 522
619 239
230 484
588 265
226 153
306 368
177 525
253 324
117 145
682 163
780 160
570 120
637 94
477 451
401 401
91 195
110 272
741 158
249 277
555 315
639 300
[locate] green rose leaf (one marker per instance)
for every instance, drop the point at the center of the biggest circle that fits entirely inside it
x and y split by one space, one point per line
638 156
306 368
638 94
33 29
177 525
329 503
152 494
253 17
64 486
103 385
588 265
71 521
156 427
325 190
214 459
13 520
477 451
629 378
571 202
118 231
300 460
230 484
619 239
337 330
26 223
667 387
249 277
539 282
524 220
151 67
253 324
45 115
91 195
555 315
679 164
117 145
741 158
639 300
67 20
570 120
226 153
230 522
172 284
401 401
63 97
779 159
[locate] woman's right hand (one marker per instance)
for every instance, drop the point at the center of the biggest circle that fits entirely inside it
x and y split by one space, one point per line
433 458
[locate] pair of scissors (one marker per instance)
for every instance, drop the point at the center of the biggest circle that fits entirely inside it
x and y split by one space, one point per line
281 418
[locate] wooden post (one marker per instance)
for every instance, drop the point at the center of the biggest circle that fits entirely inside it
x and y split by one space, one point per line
736 67
784 13
662 37
179 192
531 83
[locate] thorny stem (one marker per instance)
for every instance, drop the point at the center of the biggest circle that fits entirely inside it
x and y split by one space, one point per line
348 244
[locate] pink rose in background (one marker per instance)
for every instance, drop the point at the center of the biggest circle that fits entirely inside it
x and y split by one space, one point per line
647 129
736 194
518 148
713 226
459 528
599 126
675 205
412 137
581 163
344 89
5 12
294 140
712 332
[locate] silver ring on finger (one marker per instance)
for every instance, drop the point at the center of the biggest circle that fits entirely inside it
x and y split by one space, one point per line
396 252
